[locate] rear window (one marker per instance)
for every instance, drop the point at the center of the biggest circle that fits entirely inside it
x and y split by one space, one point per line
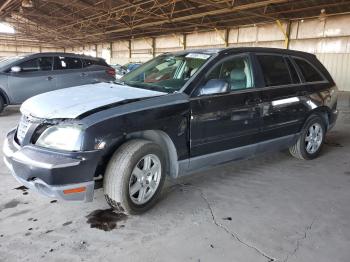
275 70
62 62
309 72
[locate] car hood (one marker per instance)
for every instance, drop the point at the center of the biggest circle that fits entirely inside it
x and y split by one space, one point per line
74 101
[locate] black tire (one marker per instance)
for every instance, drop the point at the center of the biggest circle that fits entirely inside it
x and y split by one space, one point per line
298 150
119 172
2 104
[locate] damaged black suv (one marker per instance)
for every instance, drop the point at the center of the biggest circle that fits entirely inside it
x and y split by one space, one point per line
176 114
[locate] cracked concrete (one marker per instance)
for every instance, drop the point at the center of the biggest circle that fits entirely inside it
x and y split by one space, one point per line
303 237
233 234
269 207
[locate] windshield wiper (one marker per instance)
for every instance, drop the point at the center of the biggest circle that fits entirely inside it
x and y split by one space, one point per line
146 86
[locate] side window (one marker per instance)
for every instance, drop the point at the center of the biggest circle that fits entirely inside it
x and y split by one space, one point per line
275 70
37 64
309 72
62 62
293 72
235 71
45 63
29 66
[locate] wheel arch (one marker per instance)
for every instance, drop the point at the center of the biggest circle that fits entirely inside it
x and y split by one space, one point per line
164 141
322 111
4 96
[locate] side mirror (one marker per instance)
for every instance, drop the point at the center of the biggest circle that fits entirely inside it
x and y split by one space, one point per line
214 86
16 69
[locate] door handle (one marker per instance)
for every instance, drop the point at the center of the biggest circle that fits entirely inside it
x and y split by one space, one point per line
49 78
83 74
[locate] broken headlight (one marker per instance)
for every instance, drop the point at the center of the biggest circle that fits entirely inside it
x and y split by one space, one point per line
67 138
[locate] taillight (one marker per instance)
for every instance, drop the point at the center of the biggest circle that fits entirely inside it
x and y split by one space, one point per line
111 71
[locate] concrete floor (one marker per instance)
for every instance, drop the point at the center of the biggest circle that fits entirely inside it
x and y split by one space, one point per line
270 207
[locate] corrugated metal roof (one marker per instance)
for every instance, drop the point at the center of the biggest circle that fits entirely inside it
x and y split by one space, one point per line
77 22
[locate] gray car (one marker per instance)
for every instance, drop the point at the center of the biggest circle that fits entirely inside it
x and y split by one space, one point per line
27 76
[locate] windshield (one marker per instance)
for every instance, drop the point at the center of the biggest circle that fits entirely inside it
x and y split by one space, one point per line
166 73
8 60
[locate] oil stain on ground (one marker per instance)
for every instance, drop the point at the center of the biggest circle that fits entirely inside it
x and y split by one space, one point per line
23 189
67 223
11 204
105 219
330 142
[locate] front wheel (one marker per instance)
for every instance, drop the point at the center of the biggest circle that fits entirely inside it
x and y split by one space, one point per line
135 176
309 144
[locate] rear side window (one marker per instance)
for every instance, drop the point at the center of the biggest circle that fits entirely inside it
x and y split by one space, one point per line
90 62
101 62
293 72
62 62
275 70
309 72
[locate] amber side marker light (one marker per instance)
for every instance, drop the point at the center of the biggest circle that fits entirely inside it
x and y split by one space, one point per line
74 190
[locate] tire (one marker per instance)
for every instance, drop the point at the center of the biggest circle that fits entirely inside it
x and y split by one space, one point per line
127 170
301 149
2 104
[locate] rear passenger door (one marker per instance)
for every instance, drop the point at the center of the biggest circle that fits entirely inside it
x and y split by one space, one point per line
68 71
282 110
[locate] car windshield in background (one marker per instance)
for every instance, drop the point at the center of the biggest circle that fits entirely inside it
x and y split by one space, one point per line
166 73
8 60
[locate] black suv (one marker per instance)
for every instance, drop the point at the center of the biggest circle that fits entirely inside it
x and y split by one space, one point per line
174 115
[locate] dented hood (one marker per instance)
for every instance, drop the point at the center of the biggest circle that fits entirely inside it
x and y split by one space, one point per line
74 101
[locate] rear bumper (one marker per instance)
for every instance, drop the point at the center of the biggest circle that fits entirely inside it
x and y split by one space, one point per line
68 176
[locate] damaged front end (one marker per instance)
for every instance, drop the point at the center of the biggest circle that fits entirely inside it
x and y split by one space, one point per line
46 156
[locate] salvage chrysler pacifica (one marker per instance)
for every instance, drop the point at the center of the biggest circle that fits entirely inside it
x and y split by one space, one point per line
176 114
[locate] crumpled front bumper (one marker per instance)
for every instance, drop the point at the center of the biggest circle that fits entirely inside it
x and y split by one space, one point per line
67 176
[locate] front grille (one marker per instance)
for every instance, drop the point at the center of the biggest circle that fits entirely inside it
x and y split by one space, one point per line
25 123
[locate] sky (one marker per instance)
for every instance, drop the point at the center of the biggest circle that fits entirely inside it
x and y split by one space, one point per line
5 28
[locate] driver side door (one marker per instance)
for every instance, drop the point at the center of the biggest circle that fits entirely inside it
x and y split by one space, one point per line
221 122
34 78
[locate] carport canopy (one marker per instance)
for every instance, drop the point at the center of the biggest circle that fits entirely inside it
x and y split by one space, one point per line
77 22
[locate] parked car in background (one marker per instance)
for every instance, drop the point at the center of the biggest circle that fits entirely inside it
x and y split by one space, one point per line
25 76
120 71
132 66
176 114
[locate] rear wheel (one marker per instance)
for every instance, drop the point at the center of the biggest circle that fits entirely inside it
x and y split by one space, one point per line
309 144
135 176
